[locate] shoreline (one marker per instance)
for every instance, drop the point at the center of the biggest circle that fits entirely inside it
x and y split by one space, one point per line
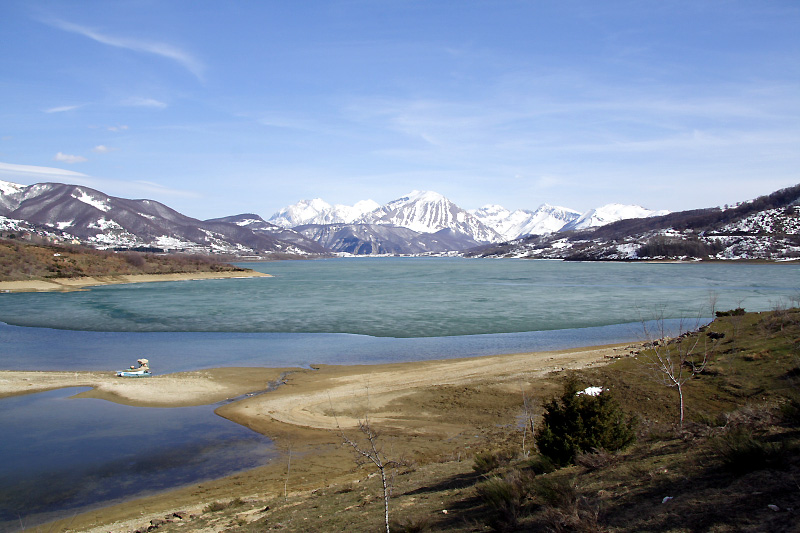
82 283
306 414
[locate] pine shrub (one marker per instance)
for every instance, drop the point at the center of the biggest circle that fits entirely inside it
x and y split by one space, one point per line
577 423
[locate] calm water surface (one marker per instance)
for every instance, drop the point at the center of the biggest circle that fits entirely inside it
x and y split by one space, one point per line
345 311
62 456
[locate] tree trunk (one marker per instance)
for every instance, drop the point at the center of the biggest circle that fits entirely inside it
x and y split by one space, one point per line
385 499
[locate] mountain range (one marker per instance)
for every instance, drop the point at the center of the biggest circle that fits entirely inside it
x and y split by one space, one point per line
72 213
765 228
430 212
422 222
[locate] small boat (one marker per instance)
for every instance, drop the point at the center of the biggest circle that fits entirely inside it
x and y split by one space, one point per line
143 371
133 373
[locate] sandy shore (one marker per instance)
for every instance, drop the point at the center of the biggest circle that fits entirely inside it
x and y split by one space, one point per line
431 409
75 284
332 396
200 387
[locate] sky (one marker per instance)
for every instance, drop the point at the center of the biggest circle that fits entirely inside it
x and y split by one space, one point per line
220 108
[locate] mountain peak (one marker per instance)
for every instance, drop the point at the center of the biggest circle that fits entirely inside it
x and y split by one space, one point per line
6 187
429 212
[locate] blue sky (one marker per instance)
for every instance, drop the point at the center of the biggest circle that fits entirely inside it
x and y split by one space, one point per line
218 108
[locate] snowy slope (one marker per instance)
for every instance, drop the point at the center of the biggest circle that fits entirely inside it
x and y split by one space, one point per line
429 212
318 211
68 212
511 225
9 196
381 239
610 213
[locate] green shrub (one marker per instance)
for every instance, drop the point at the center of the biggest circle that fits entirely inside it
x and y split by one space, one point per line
739 311
539 464
215 506
565 510
577 423
741 453
559 492
505 496
486 462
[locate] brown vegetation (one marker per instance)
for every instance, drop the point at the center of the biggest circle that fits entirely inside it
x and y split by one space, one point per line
22 261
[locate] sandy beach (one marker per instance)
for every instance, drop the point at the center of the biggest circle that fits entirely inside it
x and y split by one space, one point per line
432 409
76 284
184 389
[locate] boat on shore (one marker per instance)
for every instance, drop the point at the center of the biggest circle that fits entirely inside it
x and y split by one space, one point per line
133 373
142 371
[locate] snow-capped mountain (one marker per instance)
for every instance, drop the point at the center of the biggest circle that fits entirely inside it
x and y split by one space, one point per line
9 193
318 211
258 225
72 212
512 225
610 213
765 228
377 239
429 212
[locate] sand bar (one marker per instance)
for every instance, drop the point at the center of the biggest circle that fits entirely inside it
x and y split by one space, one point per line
332 396
409 399
75 284
183 389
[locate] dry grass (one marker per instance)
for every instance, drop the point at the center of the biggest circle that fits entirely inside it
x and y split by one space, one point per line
22 261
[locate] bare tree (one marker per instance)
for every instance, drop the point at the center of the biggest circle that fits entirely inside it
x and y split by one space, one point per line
713 298
673 362
370 451
288 470
528 406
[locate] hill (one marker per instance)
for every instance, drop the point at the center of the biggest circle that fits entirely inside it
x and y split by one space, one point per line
23 261
765 228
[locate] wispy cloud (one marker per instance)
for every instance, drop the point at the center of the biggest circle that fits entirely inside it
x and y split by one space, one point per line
31 174
36 172
70 159
102 149
156 188
144 102
160 49
121 127
62 109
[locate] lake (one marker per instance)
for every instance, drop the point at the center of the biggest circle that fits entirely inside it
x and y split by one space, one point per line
340 311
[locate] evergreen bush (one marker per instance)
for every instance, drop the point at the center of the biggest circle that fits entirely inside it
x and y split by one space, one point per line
577 423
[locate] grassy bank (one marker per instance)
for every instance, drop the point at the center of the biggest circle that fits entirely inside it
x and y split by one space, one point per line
21 261
731 466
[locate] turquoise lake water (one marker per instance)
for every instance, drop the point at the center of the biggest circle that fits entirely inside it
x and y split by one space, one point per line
345 311
412 297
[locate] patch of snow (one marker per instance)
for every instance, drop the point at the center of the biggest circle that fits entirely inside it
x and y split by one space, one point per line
8 188
91 200
611 213
104 224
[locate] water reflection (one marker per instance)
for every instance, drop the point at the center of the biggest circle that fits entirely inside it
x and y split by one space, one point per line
66 455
